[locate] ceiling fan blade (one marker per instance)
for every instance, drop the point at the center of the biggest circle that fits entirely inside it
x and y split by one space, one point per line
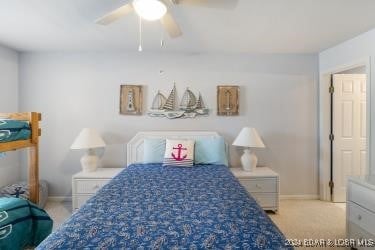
169 23
222 4
115 15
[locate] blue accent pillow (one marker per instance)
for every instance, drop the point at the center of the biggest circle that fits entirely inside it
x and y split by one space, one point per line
211 151
153 150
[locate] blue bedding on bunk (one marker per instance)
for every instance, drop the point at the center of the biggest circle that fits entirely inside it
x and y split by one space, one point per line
14 130
22 224
148 206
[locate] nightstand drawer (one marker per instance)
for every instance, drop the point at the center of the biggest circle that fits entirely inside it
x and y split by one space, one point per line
260 185
362 217
86 184
89 186
266 200
79 200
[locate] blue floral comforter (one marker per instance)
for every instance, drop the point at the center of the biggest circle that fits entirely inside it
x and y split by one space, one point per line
148 206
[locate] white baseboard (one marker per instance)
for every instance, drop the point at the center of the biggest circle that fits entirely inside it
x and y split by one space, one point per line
300 197
60 198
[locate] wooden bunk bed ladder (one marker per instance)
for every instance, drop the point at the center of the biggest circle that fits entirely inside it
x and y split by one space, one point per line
32 144
34 157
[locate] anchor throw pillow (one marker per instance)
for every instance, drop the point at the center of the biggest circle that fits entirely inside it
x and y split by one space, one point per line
179 153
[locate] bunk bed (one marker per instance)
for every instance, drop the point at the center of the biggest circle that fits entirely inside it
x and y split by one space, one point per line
31 142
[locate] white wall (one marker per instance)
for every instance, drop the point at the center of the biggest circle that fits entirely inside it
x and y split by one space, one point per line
9 164
356 70
355 51
278 97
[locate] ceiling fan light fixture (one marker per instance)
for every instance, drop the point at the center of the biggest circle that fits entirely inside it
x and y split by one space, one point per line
150 10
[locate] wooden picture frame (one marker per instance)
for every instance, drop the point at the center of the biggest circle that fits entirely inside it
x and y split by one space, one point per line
228 100
131 99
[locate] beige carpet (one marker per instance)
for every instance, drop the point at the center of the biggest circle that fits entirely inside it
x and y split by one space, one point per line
59 212
297 219
311 219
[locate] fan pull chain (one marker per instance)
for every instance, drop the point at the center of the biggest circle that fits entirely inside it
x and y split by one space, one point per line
162 43
140 35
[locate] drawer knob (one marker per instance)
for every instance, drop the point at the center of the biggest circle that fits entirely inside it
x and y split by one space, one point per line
359 217
96 186
257 186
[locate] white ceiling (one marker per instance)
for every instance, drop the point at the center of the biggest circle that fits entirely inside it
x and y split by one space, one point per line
254 26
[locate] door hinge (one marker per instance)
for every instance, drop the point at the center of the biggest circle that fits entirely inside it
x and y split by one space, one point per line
331 184
331 89
331 137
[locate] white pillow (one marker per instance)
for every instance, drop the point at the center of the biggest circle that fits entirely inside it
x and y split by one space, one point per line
179 153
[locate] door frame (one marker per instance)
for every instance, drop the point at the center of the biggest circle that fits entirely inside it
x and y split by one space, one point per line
325 123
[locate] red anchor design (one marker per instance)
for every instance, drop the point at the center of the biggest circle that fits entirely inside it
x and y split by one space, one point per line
179 149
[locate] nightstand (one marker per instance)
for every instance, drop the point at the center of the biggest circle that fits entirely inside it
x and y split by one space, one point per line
86 184
262 184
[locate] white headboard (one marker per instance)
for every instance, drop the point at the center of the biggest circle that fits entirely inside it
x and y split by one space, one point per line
135 145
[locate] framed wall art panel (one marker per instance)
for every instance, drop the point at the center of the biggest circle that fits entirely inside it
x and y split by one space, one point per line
131 100
228 100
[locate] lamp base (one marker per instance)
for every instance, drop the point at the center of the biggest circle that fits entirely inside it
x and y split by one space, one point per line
89 162
249 160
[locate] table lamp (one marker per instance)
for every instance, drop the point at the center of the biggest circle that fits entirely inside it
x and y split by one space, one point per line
248 138
89 139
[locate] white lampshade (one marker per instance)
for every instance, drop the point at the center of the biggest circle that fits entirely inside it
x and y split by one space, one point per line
248 137
88 138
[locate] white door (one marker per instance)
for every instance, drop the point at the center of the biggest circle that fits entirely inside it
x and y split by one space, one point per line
349 129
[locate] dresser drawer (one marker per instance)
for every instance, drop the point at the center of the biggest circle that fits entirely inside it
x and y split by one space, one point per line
89 186
266 200
79 200
363 239
362 217
362 196
261 185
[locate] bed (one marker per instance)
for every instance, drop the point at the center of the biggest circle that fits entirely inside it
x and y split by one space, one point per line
19 131
148 206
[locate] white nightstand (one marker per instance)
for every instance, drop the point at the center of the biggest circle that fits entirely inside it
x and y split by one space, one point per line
262 184
85 185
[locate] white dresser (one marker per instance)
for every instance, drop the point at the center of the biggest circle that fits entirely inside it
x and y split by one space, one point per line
360 213
263 184
85 185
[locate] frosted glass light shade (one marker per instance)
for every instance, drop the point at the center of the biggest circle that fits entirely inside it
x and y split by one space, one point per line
150 10
248 137
88 138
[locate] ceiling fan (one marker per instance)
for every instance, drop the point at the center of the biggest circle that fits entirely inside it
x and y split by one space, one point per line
153 10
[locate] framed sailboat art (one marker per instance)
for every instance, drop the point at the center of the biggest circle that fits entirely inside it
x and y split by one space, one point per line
189 107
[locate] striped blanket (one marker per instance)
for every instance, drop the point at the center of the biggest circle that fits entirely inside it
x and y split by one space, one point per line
22 224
